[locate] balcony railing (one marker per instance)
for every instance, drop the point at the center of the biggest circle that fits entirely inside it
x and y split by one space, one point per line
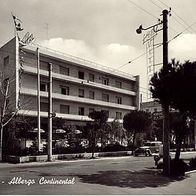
77 60
58 76
33 92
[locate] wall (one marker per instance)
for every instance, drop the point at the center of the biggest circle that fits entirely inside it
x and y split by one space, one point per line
9 71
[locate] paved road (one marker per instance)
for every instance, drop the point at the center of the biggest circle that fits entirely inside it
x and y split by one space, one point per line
123 175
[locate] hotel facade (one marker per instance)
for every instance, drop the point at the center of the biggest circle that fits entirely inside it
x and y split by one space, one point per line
78 86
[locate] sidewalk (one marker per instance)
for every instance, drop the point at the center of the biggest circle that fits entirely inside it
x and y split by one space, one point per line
30 164
184 155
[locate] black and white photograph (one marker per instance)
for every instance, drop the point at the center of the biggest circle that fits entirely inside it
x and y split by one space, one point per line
97 97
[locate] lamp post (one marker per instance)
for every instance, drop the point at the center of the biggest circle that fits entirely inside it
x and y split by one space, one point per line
165 106
49 114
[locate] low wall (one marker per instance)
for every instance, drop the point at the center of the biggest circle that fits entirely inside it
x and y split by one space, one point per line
42 158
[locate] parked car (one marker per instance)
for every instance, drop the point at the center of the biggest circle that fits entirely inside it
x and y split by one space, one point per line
148 148
143 150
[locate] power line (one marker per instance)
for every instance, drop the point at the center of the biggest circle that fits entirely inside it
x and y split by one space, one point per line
142 9
163 3
177 35
156 4
175 13
132 60
181 32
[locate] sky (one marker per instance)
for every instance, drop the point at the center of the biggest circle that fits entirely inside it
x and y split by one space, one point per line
104 31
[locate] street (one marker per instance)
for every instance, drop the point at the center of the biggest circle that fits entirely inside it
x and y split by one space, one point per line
120 175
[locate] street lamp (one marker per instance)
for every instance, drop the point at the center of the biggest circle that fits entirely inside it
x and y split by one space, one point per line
154 27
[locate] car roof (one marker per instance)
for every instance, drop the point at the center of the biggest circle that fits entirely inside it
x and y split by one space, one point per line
154 142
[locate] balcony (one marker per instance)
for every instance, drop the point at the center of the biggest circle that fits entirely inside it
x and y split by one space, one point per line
61 77
33 92
59 115
53 54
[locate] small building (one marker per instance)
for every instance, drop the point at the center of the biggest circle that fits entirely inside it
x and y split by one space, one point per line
151 106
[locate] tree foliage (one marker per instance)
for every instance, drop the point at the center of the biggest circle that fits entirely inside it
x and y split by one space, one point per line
176 85
98 129
136 122
180 126
118 133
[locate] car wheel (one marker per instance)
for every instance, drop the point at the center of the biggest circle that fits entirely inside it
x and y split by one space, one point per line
148 153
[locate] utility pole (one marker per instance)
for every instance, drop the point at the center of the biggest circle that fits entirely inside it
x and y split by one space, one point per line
50 114
195 134
38 102
165 106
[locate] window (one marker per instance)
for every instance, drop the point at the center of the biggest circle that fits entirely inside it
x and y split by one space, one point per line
64 109
44 65
155 109
91 94
43 86
91 110
44 107
64 70
6 61
91 77
118 115
118 84
81 92
65 90
81 74
105 81
105 97
81 111
118 100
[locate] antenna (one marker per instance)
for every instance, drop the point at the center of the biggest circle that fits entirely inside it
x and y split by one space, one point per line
47 28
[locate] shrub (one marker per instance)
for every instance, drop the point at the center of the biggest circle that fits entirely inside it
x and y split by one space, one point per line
192 163
114 147
178 167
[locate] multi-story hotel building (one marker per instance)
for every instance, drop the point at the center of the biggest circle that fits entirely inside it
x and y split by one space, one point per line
79 86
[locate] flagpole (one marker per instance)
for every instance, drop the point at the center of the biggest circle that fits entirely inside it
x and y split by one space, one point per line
38 101
15 31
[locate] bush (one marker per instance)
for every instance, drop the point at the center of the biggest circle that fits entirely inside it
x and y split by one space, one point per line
192 163
68 149
178 167
114 147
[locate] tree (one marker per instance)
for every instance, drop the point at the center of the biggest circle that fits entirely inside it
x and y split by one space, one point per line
175 85
18 127
136 122
117 133
98 129
6 114
180 126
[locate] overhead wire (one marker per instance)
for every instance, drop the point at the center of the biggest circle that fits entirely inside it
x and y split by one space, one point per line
143 9
162 9
177 15
156 4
